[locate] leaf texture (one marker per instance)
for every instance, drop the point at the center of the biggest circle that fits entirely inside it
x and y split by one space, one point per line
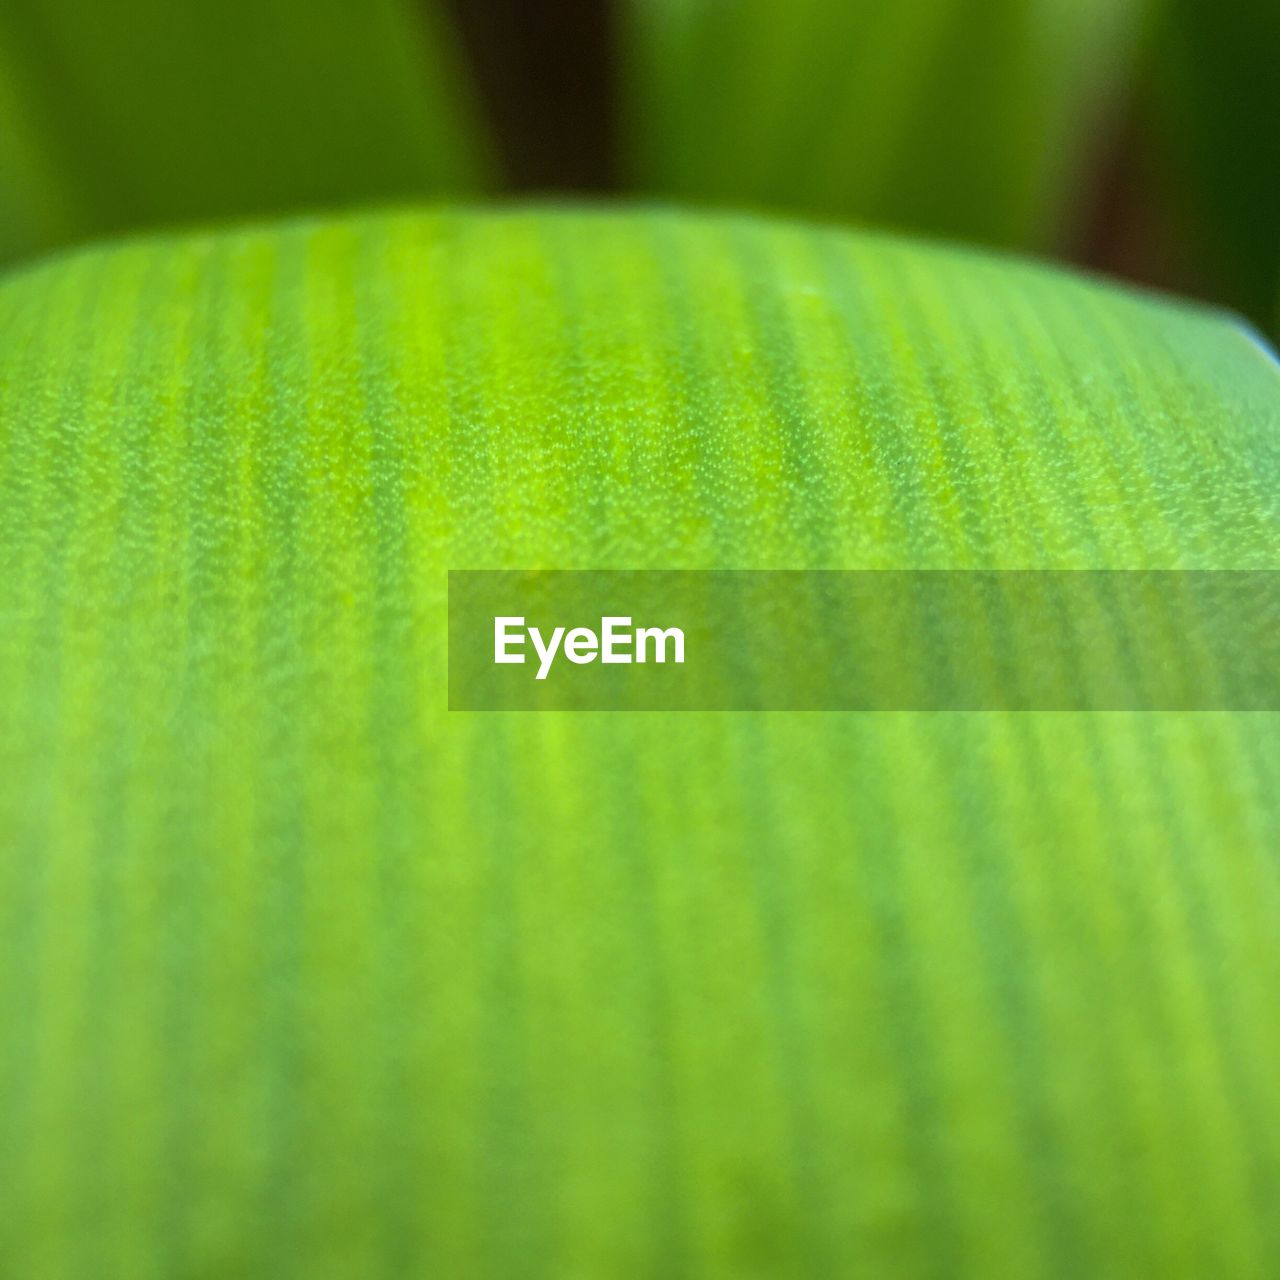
301 974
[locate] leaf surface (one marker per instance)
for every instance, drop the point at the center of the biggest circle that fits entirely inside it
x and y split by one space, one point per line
301 972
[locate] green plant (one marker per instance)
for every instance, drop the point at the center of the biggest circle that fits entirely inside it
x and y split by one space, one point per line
196 112
301 973
873 110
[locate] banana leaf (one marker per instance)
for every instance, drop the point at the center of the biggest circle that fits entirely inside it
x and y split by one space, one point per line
303 974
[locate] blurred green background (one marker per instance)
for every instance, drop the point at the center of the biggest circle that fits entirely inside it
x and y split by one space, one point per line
1138 137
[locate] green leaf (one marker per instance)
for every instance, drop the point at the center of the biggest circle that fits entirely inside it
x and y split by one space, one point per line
198 112
965 117
1218 108
301 973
